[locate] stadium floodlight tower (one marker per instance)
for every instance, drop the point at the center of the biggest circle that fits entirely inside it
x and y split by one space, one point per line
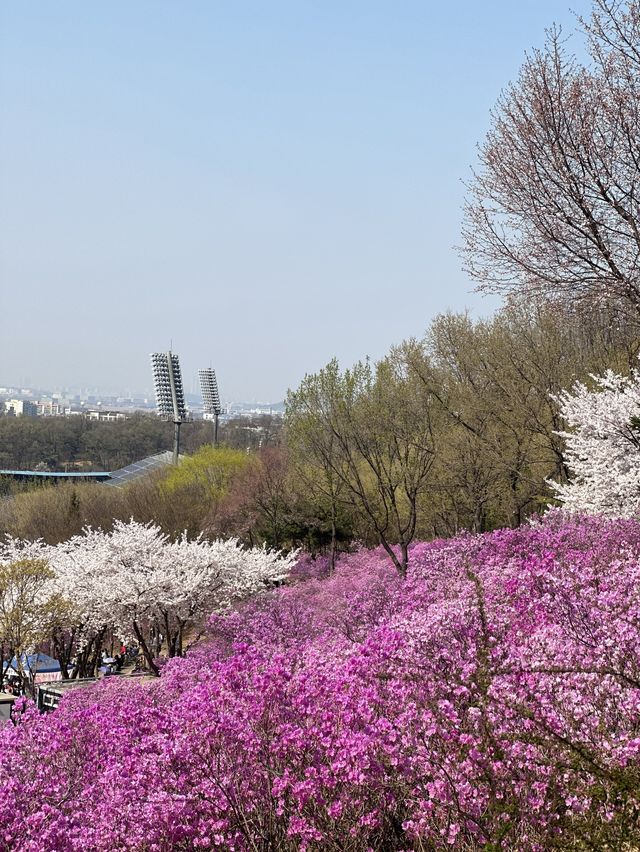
211 398
170 404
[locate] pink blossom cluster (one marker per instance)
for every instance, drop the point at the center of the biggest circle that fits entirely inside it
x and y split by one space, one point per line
490 700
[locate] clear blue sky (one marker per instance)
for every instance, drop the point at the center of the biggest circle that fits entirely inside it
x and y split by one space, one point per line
266 184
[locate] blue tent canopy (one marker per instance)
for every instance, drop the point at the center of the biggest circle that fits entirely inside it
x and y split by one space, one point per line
35 663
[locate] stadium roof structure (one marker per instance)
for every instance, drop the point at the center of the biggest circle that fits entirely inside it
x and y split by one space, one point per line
116 478
127 474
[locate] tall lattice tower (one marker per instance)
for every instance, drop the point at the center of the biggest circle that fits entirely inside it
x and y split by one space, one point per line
211 397
170 404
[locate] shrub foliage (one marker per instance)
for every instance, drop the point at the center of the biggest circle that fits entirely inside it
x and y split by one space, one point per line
489 700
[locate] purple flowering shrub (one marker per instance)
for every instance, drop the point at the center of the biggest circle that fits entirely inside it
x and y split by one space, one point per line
491 700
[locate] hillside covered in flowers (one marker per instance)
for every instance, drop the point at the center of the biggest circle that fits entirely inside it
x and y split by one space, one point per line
489 700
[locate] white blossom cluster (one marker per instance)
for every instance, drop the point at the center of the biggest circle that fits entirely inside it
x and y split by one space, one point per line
136 573
603 447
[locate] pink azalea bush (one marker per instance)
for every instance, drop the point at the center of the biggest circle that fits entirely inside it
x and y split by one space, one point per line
489 701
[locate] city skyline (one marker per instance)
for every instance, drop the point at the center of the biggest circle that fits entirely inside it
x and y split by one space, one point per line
192 390
95 395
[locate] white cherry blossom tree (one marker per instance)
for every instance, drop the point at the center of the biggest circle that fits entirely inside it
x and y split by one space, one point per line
138 582
603 446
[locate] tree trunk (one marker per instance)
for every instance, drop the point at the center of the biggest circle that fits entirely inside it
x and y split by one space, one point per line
180 636
400 564
145 649
333 546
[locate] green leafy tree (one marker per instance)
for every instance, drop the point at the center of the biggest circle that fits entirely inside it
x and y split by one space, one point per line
196 486
30 608
370 431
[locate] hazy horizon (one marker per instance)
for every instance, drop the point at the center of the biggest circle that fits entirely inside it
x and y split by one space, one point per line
261 187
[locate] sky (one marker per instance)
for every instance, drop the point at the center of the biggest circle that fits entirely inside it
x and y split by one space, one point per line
260 186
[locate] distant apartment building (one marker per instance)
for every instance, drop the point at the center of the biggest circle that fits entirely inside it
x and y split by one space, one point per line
20 408
51 409
108 416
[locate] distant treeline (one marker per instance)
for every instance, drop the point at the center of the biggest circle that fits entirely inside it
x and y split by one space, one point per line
56 443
